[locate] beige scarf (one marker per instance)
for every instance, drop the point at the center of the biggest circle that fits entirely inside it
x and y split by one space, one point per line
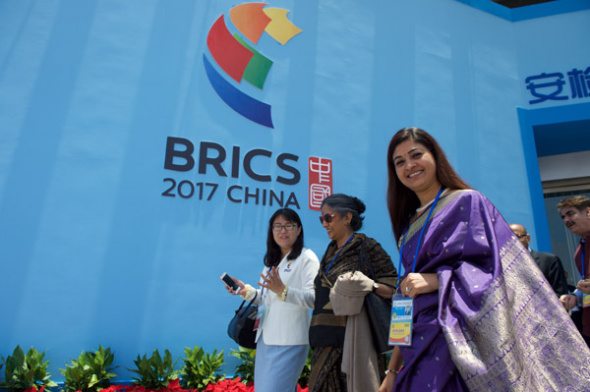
359 358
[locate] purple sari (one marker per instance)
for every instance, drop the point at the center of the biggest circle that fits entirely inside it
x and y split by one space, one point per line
495 323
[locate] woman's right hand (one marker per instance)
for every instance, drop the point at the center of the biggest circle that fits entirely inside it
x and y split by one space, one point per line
240 284
388 382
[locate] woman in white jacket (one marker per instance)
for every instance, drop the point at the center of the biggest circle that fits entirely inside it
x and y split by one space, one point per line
284 298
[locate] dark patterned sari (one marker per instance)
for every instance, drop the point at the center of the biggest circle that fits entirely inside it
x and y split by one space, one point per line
327 330
494 324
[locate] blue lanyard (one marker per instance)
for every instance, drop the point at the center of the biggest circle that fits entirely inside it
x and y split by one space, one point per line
401 252
262 290
583 243
332 262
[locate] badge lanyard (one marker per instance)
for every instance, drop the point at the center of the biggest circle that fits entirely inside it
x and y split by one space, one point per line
583 243
261 307
402 309
585 297
337 254
401 252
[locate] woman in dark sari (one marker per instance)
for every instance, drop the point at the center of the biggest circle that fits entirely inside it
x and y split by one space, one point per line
341 217
485 318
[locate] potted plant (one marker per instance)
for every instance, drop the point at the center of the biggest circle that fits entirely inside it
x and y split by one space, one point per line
91 372
200 368
245 369
155 373
26 372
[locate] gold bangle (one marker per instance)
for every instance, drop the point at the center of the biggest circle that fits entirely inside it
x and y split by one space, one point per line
283 295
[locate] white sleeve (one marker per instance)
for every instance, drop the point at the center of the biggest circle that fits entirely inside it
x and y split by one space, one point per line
305 295
251 293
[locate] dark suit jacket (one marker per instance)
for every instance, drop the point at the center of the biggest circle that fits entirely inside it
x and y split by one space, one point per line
551 267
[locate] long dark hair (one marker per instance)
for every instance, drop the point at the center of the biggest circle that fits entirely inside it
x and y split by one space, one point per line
273 255
402 201
342 204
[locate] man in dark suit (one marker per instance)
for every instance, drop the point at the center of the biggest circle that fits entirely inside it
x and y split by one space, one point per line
575 213
549 263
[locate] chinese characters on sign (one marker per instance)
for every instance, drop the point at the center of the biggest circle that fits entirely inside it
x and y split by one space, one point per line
550 86
320 181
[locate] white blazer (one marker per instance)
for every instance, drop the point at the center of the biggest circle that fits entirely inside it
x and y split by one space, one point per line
287 323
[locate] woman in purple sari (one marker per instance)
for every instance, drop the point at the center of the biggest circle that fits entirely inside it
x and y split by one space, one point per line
485 318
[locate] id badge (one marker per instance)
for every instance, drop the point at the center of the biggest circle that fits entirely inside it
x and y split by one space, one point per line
400 329
586 300
260 316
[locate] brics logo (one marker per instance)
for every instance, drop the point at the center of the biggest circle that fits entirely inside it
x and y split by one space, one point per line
240 61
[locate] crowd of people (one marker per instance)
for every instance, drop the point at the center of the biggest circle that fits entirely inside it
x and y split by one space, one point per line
488 312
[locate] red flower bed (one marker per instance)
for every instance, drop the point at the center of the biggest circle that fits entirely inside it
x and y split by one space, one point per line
173 386
227 385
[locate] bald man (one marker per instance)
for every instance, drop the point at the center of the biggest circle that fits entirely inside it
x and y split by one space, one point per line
549 263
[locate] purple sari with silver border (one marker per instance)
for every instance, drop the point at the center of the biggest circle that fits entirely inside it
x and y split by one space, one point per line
495 323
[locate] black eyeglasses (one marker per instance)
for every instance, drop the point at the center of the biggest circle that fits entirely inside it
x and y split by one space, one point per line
287 227
327 217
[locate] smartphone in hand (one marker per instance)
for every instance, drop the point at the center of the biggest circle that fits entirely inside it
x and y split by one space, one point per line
230 282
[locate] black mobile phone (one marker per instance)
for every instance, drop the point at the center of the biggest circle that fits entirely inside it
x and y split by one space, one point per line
230 282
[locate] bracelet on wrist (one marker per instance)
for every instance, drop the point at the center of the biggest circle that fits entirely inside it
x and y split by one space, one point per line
396 372
283 295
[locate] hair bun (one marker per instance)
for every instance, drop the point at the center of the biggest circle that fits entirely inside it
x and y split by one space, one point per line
359 205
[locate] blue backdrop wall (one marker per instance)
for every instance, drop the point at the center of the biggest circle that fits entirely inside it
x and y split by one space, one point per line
114 232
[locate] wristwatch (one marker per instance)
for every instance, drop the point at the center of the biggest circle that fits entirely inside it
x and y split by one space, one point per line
375 286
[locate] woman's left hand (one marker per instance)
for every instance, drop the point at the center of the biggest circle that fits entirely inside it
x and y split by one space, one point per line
415 284
273 281
388 382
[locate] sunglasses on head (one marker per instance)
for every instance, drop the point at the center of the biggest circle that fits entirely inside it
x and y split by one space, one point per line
327 217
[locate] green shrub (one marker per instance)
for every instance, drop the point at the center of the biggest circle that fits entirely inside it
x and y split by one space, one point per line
91 372
155 372
304 377
25 371
200 368
246 368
